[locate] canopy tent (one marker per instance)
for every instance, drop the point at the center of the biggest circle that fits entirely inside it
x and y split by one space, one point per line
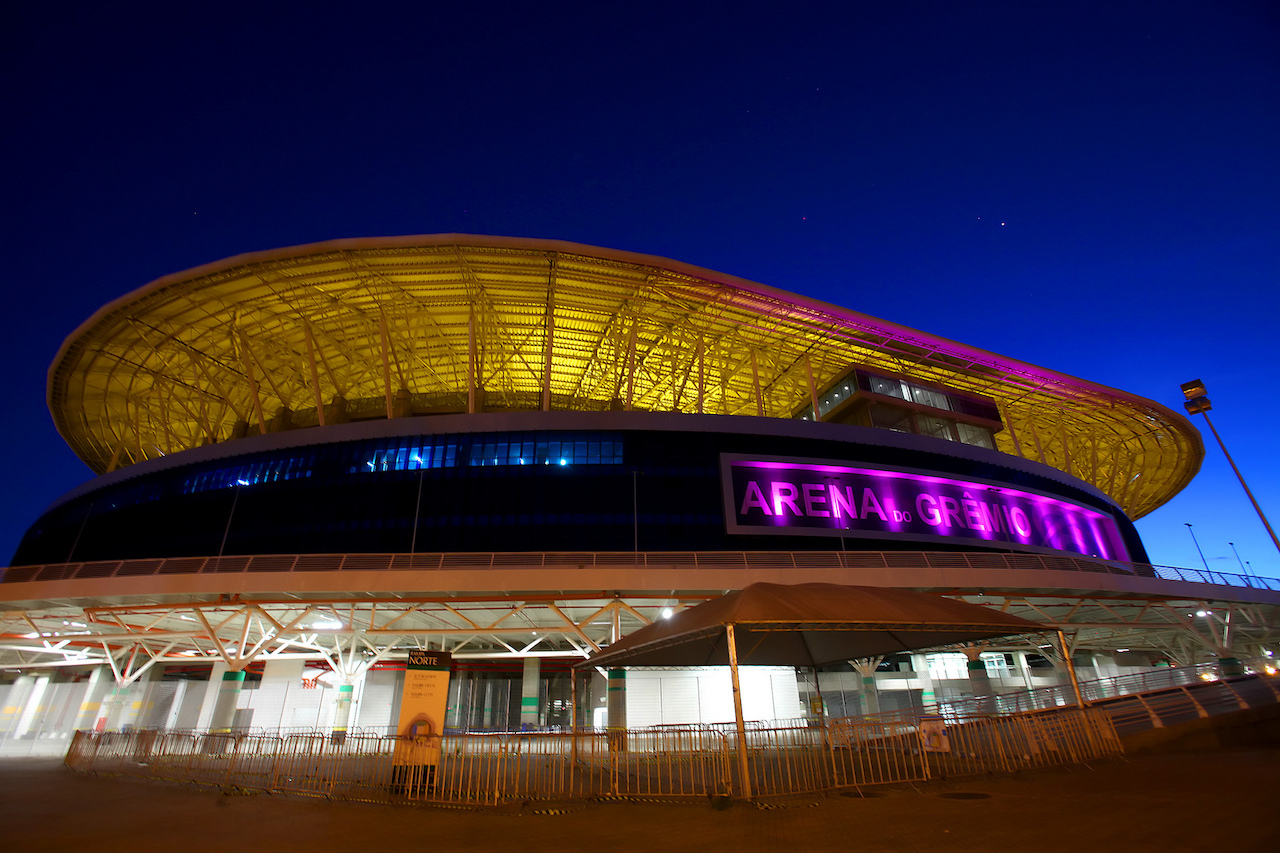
810 624
813 624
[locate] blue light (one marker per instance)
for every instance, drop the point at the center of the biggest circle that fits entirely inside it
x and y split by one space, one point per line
242 482
562 462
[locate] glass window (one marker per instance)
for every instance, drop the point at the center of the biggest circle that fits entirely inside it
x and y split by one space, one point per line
936 427
926 397
890 417
948 665
888 387
975 435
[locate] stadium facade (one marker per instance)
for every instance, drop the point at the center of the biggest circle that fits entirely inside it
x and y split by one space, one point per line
311 460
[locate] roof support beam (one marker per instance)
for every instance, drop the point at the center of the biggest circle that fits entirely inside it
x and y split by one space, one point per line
813 389
631 363
386 361
702 374
548 345
471 360
755 378
253 384
315 377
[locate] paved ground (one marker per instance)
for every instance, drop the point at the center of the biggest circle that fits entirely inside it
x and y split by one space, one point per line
1221 800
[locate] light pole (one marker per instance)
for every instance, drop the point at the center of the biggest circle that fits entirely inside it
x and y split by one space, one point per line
1238 560
1197 543
1198 404
635 514
417 508
230 515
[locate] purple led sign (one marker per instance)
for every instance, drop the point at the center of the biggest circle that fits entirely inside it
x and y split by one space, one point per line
803 497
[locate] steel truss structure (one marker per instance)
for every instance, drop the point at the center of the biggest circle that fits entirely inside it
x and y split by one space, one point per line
358 329
1184 621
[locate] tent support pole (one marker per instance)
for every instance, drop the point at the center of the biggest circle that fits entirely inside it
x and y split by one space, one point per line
573 715
743 774
1071 667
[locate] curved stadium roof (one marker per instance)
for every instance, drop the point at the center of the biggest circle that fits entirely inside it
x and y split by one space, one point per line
410 324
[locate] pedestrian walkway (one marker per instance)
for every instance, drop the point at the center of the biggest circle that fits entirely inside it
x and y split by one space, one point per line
1222 801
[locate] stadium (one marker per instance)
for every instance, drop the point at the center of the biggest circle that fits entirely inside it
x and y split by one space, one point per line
311 461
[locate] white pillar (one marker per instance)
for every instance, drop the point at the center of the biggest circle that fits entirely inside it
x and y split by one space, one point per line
870 697
980 681
920 664
281 680
529 685
617 704
228 697
27 715
211 694
99 682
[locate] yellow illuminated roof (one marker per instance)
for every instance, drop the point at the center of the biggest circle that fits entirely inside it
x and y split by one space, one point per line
413 325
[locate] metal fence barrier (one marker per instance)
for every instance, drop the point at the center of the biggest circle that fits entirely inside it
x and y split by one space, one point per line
666 762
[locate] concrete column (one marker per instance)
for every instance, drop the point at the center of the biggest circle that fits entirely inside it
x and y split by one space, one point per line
224 709
529 694
920 664
94 688
175 707
210 694
617 704
11 705
594 694
28 713
358 684
342 711
487 717
1020 658
980 681
281 682
112 708
870 696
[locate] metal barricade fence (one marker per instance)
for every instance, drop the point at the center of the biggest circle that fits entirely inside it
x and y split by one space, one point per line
692 762
878 750
787 760
667 762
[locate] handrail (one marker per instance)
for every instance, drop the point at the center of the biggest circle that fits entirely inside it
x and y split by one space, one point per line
437 561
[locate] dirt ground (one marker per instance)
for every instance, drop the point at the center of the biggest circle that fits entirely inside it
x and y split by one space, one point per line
1220 800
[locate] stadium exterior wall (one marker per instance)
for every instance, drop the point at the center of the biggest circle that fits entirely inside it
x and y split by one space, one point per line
519 481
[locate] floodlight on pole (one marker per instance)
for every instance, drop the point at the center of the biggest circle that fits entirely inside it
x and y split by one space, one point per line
1197 403
1197 541
1238 560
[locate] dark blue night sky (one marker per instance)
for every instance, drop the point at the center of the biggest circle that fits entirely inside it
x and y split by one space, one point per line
1091 187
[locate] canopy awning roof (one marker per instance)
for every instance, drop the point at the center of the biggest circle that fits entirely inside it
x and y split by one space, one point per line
809 625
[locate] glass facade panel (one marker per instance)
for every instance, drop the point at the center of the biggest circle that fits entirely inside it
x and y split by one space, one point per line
890 417
888 387
927 397
936 427
976 435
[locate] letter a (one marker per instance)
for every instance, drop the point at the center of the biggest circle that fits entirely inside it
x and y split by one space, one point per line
870 504
753 498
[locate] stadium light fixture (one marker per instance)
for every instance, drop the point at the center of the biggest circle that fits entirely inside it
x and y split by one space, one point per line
1197 403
